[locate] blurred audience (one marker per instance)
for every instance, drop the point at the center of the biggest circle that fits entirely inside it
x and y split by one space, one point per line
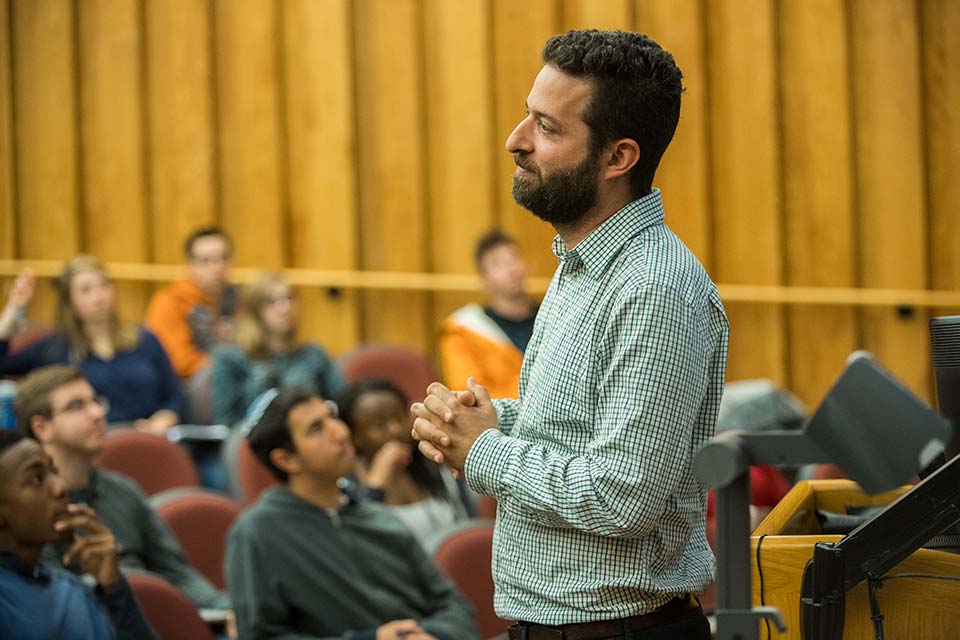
267 353
488 342
123 362
37 602
419 492
193 315
307 560
59 408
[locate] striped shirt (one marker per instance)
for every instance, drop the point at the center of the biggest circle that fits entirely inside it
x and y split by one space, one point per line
599 515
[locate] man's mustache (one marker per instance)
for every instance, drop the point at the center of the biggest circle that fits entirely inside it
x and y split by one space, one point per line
520 160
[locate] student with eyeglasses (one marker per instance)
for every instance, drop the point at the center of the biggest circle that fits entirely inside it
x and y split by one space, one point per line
58 407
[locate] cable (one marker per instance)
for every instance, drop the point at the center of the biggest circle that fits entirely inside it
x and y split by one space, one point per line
873 585
760 573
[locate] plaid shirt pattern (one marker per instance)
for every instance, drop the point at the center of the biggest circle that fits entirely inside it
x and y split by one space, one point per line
599 513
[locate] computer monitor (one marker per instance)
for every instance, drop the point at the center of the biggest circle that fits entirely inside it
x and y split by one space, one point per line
945 347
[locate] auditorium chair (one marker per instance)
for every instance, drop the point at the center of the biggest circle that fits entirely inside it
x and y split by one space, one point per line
248 477
167 610
155 463
465 556
200 520
407 369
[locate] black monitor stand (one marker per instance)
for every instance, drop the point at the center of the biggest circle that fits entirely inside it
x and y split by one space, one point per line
874 548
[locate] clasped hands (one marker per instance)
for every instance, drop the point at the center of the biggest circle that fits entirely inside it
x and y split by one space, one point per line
447 423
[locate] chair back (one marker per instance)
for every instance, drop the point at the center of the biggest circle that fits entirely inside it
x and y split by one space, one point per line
167 610
407 369
200 520
252 477
465 556
155 463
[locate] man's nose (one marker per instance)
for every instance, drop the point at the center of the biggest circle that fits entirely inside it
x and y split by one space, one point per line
518 140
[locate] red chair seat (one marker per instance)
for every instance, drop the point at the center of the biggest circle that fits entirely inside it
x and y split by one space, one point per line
155 463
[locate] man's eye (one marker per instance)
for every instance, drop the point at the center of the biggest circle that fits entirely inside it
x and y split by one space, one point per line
544 127
36 479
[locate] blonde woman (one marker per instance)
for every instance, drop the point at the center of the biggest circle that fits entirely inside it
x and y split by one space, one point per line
125 363
268 353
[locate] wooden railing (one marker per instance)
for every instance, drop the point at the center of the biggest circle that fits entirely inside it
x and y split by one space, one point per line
413 281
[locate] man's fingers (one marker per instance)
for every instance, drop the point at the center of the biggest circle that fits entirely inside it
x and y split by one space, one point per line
86 521
430 432
466 398
438 407
479 391
83 547
442 393
430 451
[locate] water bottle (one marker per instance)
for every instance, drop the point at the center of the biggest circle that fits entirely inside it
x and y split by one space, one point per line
8 391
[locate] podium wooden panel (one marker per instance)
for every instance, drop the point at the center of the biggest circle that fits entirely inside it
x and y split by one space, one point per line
913 609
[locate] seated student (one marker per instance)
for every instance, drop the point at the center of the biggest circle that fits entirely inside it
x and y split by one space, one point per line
267 353
421 493
193 315
38 603
488 342
308 561
58 407
123 362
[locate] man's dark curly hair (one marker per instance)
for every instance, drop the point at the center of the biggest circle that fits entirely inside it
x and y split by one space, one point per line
636 92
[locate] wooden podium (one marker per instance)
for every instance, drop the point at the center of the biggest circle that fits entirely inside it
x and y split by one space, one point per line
913 609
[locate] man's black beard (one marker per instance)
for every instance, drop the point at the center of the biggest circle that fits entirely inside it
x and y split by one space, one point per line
564 197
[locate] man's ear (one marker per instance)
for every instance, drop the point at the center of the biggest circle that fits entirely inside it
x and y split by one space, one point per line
42 429
285 460
622 157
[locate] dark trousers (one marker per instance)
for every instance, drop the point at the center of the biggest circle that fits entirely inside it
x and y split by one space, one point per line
695 627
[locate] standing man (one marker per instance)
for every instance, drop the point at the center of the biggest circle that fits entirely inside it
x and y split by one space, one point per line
488 342
193 315
601 523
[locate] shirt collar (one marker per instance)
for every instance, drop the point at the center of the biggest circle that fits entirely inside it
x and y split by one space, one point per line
603 243
21 567
87 494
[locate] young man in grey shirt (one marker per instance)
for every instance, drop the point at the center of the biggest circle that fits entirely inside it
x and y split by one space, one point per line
308 561
58 407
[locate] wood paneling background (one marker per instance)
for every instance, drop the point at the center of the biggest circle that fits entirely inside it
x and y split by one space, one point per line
819 144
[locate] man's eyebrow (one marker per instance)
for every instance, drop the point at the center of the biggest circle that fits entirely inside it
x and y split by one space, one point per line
36 463
542 115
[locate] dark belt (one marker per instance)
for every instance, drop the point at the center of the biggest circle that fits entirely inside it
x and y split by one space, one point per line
677 609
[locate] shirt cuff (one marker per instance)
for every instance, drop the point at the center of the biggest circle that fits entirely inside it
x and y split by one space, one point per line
485 461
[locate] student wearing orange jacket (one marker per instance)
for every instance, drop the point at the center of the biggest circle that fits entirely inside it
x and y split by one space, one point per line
487 342
193 315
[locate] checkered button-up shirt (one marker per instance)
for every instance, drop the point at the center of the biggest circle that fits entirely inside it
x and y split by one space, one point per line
599 513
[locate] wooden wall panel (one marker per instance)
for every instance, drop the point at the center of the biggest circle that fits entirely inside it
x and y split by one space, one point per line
369 134
111 128
589 14
8 222
180 135
818 186
520 30
459 108
889 174
392 171
941 85
252 204
318 82
45 121
677 26
745 179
